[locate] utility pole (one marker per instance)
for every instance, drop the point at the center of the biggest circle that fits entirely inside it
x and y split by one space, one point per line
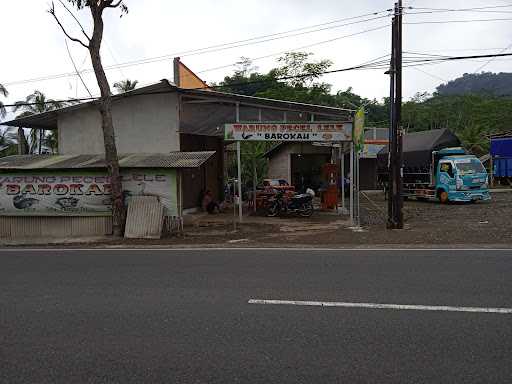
395 205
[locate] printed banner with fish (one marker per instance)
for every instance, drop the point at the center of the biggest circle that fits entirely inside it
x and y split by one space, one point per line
76 194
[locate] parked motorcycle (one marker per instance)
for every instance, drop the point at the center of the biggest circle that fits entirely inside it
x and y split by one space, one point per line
301 205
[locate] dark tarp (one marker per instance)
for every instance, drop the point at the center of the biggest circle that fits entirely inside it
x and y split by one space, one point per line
418 147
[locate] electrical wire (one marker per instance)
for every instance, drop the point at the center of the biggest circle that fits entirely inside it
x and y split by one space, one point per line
379 64
297 48
492 59
455 21
486 9
215 48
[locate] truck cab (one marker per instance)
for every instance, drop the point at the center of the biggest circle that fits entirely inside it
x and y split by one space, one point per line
459 176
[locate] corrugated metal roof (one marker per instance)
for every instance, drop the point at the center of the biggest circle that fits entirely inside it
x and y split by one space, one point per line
156 160
48 120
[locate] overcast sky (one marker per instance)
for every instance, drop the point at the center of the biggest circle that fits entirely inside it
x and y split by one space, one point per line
35 45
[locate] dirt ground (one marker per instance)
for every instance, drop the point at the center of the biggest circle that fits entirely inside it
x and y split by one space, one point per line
427 223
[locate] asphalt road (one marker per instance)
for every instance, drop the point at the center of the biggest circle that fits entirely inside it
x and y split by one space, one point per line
148 316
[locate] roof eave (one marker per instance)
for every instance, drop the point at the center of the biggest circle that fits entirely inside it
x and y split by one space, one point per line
290 105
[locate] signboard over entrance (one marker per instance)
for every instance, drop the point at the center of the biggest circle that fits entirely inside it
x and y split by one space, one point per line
274 131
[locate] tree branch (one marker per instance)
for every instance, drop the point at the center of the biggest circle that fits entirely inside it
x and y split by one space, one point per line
76 19
51 11
108 4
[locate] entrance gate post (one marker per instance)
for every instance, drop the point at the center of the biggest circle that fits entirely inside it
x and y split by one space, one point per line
342 158
239 176
352 182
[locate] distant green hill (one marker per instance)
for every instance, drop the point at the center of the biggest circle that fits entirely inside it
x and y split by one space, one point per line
485 83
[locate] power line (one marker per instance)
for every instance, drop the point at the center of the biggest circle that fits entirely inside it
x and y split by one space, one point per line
216 48
429 74
367 65
76 69
298 48
381 64
487 9
456 21
462 49
492 59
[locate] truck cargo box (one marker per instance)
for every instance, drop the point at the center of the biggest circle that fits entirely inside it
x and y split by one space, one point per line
501 152
418 148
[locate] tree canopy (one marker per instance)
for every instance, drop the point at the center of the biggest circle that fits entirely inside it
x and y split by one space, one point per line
471 115
3 91
34 103
125 85
296 78
485 83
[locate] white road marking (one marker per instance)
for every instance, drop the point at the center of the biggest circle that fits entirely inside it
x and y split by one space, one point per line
290 249
503 311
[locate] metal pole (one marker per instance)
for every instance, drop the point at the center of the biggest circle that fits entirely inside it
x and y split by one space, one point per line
399 162
239 166
396 163
358 210
352 182
391 146
343 177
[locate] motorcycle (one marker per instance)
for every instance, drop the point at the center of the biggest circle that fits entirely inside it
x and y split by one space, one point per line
301 205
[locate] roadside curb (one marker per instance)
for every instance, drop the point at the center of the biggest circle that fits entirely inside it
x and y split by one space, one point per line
249 247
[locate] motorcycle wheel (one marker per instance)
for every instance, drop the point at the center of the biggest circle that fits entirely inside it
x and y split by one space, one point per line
306 210
273 210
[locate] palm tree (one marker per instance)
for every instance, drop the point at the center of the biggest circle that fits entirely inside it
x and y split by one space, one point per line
8 142
125 85
3 91
52 141
474 139
33 104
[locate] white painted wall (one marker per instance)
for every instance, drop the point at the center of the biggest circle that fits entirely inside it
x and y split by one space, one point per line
143 124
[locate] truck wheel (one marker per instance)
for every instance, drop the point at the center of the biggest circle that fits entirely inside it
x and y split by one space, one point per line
443 197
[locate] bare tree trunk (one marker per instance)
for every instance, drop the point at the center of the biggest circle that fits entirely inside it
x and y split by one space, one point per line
41 136
22 142
254 182
112 161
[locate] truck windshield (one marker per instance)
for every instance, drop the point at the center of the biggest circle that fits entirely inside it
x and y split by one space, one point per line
467 167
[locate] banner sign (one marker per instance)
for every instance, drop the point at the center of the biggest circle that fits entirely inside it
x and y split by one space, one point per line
372 147
75 194
317 131
359 130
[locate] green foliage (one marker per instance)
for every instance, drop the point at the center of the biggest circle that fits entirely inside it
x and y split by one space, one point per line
8 142
302 88
125 85
254 165
485 83
3 91
471 117
35 103
302 71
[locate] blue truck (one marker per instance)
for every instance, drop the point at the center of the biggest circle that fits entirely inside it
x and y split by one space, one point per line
501 154
436 167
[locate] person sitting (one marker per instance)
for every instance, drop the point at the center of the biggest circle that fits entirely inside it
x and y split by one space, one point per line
209 204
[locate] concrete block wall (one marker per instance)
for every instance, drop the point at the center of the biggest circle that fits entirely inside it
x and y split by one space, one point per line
142 124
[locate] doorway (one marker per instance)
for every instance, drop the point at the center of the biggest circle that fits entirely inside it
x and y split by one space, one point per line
306 170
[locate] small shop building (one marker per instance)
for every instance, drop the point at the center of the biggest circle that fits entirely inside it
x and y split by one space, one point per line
171 144
301 163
